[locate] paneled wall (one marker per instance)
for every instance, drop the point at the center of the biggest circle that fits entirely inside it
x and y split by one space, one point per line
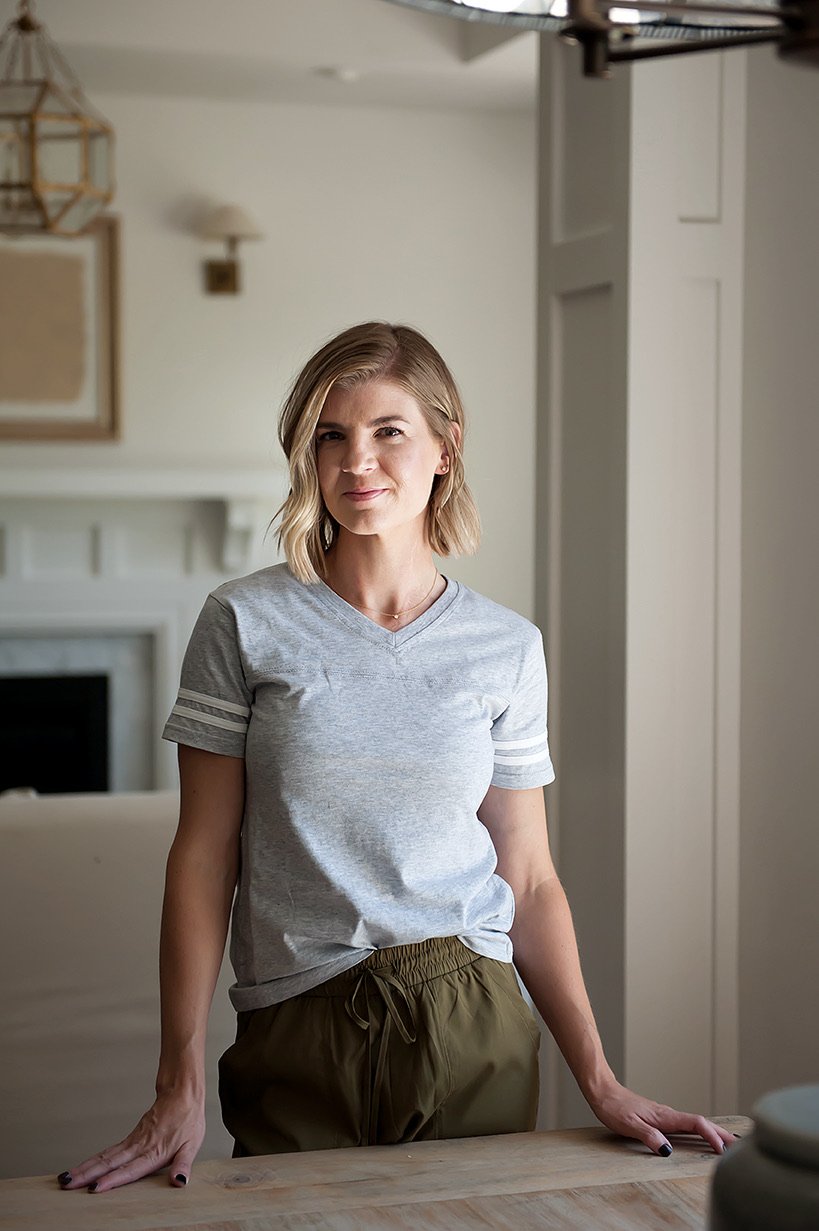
580 575
683 610
640 361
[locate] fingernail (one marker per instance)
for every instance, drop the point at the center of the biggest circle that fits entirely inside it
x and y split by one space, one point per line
181 1179
665 1150
92 1188
65 1178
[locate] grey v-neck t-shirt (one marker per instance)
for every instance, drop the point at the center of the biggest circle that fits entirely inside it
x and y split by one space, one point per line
367 754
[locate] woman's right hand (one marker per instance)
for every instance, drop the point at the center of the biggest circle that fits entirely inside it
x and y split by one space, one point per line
169 1134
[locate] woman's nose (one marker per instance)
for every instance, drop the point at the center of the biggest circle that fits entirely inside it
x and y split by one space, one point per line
357 454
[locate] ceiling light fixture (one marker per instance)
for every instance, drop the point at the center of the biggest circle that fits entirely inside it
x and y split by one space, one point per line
338 72
56 150
609 34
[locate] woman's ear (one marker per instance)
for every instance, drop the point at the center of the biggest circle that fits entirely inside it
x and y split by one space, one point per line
446 451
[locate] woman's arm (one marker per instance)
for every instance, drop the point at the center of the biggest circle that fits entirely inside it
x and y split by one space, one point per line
200 880
546 956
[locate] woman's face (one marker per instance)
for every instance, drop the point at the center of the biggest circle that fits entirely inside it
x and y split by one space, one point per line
374 439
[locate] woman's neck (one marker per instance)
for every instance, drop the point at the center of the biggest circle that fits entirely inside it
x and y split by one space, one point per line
383 579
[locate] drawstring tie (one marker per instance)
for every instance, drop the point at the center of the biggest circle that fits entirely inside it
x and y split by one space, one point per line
388 987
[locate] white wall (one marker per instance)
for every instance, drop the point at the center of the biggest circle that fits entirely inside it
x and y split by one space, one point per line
779 903
416 216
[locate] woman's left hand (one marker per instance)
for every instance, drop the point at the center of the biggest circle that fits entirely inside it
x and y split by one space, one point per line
631 1115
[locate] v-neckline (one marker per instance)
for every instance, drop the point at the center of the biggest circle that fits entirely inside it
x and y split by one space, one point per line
377 633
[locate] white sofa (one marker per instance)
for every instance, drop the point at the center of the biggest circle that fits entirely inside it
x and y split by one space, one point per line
81 884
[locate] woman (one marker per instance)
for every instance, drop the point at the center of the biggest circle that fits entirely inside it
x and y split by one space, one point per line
362 749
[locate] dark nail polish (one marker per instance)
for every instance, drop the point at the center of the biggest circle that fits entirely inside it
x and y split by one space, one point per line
181 1179
665 1150
65 1178
92 1188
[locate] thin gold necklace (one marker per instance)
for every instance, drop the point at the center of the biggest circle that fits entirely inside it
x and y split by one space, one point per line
393 614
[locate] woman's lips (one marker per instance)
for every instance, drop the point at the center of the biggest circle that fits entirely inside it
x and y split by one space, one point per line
359 497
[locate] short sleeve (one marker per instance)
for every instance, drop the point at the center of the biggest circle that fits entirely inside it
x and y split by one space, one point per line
520 735
212 709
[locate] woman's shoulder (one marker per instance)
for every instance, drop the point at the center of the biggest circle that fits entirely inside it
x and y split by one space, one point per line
261 587
494 616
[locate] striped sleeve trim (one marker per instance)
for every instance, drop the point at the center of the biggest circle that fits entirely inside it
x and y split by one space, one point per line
538 756
521 743
510 751
209 720
214 702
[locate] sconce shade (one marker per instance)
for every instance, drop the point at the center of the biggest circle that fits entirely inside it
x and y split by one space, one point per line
230 222
56 150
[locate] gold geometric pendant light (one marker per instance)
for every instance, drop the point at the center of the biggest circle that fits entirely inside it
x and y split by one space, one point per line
56 150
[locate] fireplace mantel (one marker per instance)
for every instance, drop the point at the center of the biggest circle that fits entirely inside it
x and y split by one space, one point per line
249 494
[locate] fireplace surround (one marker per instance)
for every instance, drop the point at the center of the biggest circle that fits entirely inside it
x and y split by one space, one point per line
94 584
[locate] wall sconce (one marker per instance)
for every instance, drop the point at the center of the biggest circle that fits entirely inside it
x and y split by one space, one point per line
231 224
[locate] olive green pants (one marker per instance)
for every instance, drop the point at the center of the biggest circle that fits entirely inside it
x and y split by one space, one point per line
418 1042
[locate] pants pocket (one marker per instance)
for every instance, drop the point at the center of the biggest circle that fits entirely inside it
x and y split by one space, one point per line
492 1045
509 989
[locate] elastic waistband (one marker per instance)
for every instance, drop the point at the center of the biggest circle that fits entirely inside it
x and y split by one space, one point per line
412 964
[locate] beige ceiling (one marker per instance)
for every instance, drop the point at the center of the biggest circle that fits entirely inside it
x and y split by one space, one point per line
280 50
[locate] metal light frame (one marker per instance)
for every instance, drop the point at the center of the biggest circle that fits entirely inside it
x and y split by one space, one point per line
660 29
42 105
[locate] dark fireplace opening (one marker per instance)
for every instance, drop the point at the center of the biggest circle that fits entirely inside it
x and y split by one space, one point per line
54 733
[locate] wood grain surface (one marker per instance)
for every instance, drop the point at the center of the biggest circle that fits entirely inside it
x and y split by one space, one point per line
577 1180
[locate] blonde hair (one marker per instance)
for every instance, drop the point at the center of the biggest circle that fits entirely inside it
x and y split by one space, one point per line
369 352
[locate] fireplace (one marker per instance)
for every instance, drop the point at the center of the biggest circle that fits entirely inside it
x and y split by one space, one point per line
103 572
54 733
77 712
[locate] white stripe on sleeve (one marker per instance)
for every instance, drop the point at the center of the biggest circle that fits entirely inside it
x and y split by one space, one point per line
521 743
209 720
214 702
518 760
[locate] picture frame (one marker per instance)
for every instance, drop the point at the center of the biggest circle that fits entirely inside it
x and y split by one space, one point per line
59 338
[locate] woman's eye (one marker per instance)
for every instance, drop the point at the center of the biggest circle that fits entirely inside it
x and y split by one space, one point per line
329 435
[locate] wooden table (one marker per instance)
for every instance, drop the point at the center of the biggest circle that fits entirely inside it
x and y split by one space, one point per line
584 1180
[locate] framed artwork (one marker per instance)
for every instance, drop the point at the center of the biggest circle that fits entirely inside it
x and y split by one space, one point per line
59 335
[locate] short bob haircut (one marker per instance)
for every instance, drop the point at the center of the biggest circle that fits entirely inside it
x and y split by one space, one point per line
363 353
